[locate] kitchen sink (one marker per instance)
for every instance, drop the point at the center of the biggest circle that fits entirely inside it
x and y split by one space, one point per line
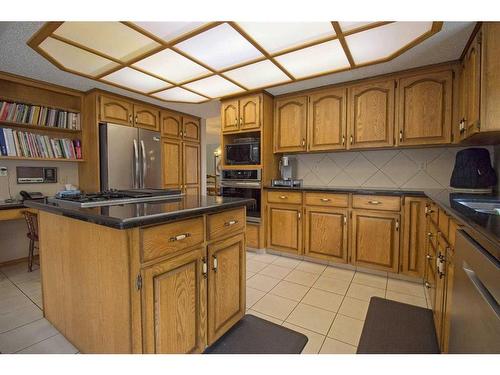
491 207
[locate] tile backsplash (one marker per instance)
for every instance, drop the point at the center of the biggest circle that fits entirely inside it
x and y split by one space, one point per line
406 168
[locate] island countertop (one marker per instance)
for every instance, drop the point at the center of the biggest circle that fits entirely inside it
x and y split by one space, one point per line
140 214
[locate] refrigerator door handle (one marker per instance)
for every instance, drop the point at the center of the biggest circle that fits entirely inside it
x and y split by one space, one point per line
144 164
136 165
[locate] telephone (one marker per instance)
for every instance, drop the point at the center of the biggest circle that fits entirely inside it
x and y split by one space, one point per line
31 195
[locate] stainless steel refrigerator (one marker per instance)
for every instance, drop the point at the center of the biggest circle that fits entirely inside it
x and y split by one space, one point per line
130 158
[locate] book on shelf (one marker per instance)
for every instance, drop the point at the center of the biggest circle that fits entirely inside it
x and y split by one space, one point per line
39 116
31 145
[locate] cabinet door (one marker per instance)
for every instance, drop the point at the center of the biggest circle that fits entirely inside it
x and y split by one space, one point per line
290 122
414 237
174 305
171 125
424 109
172 163
325 233
285 228
117 111
473 87
191 129
375 239
230 116
462 101
250 113
440 290
146 117
191 166
226 285
450 274
371 115
326 129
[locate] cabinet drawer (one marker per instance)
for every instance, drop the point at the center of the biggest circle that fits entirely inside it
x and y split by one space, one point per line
225 223
170 238
326 199
284 197
376 202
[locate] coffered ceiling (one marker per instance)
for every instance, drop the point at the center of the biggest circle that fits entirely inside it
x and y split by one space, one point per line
194 62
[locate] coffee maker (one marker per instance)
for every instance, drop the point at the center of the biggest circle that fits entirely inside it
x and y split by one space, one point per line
287 167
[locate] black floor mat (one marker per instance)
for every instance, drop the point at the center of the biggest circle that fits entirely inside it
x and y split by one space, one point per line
253 335
397 328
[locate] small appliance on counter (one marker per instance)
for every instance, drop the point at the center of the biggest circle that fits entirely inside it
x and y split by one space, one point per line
287 171
473 172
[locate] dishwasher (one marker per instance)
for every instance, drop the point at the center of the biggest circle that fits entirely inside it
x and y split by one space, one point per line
475 314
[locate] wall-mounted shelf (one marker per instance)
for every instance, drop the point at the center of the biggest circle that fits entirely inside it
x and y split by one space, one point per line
40 159
39 127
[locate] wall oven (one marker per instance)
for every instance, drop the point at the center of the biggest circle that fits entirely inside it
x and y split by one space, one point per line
244 184
244 152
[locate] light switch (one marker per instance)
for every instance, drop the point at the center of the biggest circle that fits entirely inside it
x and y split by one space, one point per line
3 171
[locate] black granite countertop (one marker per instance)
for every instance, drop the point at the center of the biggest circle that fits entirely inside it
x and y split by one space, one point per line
355 190
11 205
134 215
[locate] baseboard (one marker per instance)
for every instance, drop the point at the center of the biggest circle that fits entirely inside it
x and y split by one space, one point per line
16 261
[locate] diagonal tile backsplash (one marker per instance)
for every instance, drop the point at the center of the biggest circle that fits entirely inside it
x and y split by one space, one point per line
407 168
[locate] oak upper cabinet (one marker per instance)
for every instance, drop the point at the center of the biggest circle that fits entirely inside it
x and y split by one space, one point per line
230 116
325 233
226 285
146 117
425 109
191 167
414 237
172 163
371 115
284 227
116 110
375 239
190 129
250 112
290 124
326 128
171 124
174 305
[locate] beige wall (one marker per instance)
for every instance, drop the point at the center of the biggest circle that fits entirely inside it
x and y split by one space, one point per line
408 168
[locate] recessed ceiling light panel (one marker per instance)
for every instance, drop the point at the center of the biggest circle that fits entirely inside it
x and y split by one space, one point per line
131 78
169 30
220 47
178 94
348 26
318 59
214 87
260 74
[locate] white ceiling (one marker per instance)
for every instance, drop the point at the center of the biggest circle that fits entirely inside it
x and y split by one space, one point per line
18 58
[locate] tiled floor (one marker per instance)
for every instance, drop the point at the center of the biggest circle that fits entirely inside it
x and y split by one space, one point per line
22 326
328 304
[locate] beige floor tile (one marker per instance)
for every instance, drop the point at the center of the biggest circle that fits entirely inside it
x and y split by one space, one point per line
364 292
275 271
30 286
9 290
370 280
264 316
53 345
287 262
275 306
18 317
250 255
406 298
311 267
332 346
290 290
354 308
315 340
27 335
255 266
14 303
253 295
250 274
323 299
265 258
301 277
338 273
262 282
346 329
312 318
406 287
332 285
20 275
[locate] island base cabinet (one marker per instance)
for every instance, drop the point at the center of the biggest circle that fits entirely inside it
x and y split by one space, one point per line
226 285
174 309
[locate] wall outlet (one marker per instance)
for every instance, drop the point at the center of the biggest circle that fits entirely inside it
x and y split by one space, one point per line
3 172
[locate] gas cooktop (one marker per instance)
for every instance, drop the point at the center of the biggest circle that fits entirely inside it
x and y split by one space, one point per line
116 197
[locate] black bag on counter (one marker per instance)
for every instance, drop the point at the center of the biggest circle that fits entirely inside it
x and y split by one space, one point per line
473 170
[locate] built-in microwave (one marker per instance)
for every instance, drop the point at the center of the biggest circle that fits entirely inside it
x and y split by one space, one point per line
244 153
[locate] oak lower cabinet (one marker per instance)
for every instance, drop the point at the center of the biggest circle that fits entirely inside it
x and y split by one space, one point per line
414 236
175 300
325 233
375 239
226 285
284 231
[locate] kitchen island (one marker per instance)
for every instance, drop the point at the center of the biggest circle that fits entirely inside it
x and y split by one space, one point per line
156 277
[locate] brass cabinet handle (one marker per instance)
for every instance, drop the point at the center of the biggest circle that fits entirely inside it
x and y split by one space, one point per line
427 285
343 139
429 257
429 235
401 136
180 237
351 139
136 119
283 197
181 133
130 118
303 142
204 271
215 263
299 215
374 202
241 120
397 225
325 199
230 222
345 220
